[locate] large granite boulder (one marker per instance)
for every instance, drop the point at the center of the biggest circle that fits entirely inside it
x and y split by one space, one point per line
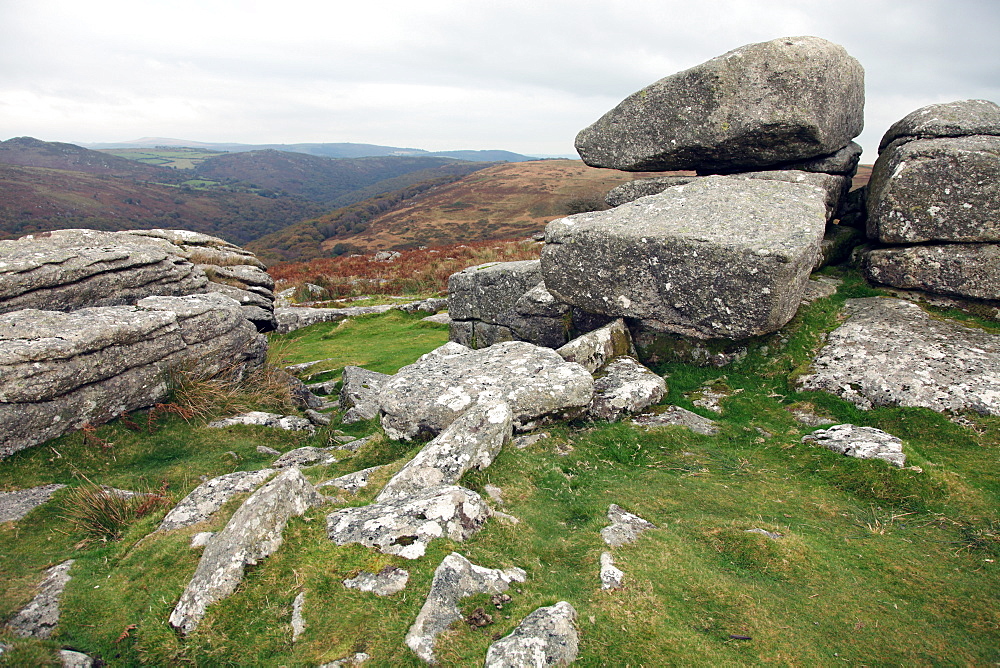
717 258
889 352
633 190
424 398
952 119
60 371
252 533
963 270
765 104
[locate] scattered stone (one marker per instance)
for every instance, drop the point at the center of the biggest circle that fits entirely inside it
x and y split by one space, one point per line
709 396
305 456
495 493
611 576
386 582
39 618
253 533
546 637
298 621
889 352
201 539
625 527
351 482
807 415
356 660
324 388
861 442
424 398
455 579
292 318
263 419
473 440
625 387
15 505
528 440
717 258
677 416
265 450
430 305
305 366
596 349
500 600
359 393
770 534
70 659
504 517
405 527
386 256
963 270
205 499
790 99
354 444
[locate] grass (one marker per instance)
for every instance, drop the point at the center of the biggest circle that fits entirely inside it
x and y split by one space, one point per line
876 565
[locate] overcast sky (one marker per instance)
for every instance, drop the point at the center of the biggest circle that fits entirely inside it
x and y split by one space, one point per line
439 74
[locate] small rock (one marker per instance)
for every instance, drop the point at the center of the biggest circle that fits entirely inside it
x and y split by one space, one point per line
264 450
298 621
709 396
351 482
305 456
479 618
386 582
263 419
70 659
861 442
355 660
528 440
677 416
807 415
359 393
770 534
317 418
499 600
15 505
611 577
39 618
625 527
625 387
594 350
546 637
494 493
439 318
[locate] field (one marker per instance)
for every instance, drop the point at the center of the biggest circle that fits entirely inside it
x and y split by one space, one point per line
176 157
875 565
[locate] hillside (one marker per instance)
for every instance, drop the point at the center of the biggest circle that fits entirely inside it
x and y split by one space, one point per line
31 152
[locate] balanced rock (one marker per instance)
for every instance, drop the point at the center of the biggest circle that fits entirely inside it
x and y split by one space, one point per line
359 393
39 618
252 533
546 637
765 104
717 258
860 442
962 270
456 578
625 387
422 399
889 352
205 499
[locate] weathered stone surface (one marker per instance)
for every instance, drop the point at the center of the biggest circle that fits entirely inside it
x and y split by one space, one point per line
936 190
298 620
633 190
764 104
70 659
253 533
39 618
264 419
15 505
291 318
952 119
356 659
455 579
473 440
889 352
820 288
430 305
844 161
205 499
546 637
406 526
596 349
201 539
359 393
764 532
861 442
317 418
625 387
388 581
443 318
306 456
427 396
677 416
719 257
59 371
624 528
528 440
611 575
352 482
963 270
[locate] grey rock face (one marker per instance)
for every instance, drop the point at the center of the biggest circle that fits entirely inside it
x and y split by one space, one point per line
455 579
633 190
352 482
597 348
625 387
546 637
624 528
264 419
473 440
59 371
889 352
359 393
861 442
405 527
677 416
298 620
205 499
39 618
427 396
253 533
307 456
15 505
71 659
963 270
719 257
388 581
611 575
764 104
291 318
952 119
936 190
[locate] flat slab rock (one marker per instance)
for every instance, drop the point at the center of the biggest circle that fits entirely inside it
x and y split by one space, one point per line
950 119
205 499
39 618
717 258
679 417
860 442
405 527
546 637
306 456
386 582
625 527
456 578
264 419
890 352
424 398
15 505
962 270
253 533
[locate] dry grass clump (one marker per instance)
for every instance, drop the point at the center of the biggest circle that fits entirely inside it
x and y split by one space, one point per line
103 513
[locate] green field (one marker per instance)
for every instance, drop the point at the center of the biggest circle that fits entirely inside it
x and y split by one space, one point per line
176 157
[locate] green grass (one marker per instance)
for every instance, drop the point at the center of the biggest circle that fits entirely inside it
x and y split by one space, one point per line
876 566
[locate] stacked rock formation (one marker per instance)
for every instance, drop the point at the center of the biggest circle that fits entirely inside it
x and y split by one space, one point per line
725 254
935 195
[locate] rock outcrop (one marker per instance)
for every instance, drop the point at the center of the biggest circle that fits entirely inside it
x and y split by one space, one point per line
546 637
390 580
205 499
39 618
675 416
962 270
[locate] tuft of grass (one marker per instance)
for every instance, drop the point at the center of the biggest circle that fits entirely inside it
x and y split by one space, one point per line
103 514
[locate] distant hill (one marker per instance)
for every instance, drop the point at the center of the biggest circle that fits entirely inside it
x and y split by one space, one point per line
31 152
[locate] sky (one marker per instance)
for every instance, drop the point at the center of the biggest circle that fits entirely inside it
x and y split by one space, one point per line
439 74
